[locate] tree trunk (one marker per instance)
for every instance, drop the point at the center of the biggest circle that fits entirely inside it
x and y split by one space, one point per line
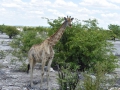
10 37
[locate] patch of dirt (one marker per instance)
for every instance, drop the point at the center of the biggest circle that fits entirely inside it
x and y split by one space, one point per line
14 80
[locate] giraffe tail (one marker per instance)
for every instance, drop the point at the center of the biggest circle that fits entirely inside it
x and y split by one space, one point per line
28 67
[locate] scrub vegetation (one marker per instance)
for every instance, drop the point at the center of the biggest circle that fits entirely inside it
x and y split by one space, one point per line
83 47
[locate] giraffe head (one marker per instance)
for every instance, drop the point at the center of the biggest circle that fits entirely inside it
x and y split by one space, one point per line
68 20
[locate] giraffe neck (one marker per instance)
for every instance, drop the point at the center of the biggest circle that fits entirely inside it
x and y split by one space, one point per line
56 37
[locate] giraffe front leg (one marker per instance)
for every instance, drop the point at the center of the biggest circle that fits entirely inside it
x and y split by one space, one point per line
42 74
48 72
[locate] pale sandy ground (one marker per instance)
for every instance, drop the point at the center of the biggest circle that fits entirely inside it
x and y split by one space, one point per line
15 80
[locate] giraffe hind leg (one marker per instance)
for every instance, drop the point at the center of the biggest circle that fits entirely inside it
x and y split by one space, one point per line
32 63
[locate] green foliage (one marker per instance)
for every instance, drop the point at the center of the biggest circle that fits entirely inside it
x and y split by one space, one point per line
115 29
23 67
28 39
23 42
55 24
67 78
90 24
96 79
95 83
110 34
93 79
38 28
2 28
83 45
89 47
2 54
11 31
28 28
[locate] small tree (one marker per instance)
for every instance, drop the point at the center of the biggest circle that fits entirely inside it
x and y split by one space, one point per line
22 43
115 29
11 31
2 28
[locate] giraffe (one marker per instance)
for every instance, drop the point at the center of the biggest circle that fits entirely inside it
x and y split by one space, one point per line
44 52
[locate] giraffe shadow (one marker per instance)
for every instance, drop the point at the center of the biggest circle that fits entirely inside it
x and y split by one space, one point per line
34 88
36 82
35 85
39 81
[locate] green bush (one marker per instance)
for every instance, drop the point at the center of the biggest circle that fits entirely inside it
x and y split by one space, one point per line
114 29
96 79
23 67
67 78
11 31
22 43
2 54
93 79
2 28
83 45
89 47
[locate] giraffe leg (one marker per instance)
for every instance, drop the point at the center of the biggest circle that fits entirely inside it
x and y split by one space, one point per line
31 74
48 76
42 74
32 63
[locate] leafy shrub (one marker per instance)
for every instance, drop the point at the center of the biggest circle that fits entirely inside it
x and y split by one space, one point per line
68 78
83 45
96 79
115 29
22 43
90 80
2 54
89 47
23 67
11 31
2 28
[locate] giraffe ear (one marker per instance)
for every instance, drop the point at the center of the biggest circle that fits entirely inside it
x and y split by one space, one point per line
72 19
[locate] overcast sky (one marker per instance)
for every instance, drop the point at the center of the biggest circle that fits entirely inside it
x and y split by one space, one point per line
29 12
